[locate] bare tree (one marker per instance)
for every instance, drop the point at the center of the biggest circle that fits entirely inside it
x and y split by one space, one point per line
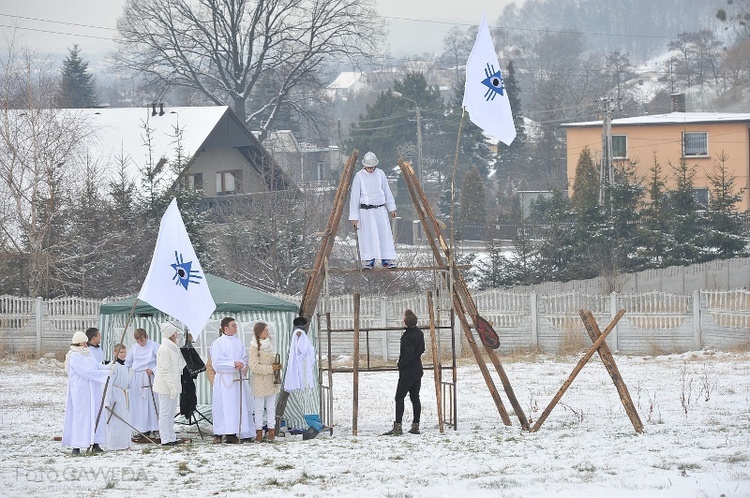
39 157
259 57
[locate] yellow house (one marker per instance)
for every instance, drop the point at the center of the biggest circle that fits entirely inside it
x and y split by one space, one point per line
699 137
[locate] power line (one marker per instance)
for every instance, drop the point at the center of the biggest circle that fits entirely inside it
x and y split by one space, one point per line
95 37
57 22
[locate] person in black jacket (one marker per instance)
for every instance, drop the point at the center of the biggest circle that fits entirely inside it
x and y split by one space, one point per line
409 373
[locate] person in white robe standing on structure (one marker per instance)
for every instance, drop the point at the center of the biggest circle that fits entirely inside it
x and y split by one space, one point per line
232 397
117 414
86 378
141 361
167 384
370 202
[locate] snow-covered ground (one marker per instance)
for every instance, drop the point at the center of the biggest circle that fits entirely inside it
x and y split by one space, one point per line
695 408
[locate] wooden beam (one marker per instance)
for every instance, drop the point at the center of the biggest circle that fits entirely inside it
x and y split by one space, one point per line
597 344
609 363
314 282
437 375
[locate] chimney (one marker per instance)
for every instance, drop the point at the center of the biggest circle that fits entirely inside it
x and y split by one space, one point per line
678 102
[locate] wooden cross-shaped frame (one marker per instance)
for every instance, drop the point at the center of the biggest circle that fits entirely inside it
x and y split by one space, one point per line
608 360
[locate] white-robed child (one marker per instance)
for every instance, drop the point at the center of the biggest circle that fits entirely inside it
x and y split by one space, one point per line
263 365
141 361
118 430
86 378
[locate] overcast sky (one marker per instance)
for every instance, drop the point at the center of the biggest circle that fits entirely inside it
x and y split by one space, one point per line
415 26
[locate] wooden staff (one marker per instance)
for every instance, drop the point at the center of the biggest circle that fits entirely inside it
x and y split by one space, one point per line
112 413
435 362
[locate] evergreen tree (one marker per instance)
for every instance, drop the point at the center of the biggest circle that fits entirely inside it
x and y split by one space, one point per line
687 222
511 158
655 215
626 196
473 210
388 127
473 148
555 252
586 184
725 236
77 89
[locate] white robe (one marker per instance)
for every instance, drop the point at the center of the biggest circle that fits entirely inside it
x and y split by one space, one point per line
86 380
118 432
97 353
142 410
375 235
300 371
226 401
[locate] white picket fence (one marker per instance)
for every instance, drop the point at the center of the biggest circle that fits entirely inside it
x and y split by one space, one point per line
655 322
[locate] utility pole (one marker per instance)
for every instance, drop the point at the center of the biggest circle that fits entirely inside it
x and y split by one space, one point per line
419 132
606 172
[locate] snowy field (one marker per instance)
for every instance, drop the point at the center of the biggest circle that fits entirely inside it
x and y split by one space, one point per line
695 408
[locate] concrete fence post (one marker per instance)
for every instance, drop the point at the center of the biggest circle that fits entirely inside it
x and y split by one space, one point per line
384 323
39 319
614 337
698 338
534 320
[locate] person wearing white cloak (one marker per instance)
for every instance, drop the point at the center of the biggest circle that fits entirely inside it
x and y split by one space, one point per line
370 202
167 384
231 393
141 361
86 378
94 343
118 431
300 371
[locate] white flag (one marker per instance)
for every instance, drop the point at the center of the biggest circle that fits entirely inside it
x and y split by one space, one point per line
484 94
176 284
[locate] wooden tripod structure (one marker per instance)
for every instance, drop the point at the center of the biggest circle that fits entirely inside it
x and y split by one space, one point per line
461 298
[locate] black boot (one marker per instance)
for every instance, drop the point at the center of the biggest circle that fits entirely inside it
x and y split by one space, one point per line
96 449
414 428
396 431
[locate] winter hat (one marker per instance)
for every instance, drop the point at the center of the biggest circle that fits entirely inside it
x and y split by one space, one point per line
79 337
300 321
168 330
370 160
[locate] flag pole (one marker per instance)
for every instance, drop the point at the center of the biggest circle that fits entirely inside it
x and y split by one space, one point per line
106 384
453 183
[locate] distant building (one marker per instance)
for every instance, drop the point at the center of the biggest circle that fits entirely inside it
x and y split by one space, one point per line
305 163
206 148
346 84
698 137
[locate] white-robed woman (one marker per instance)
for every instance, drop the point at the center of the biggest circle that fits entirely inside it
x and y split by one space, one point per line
86 378
167 384
263 364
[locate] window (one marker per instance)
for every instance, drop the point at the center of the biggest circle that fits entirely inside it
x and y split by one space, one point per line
228 182
701 197
619 147
195 182
695 144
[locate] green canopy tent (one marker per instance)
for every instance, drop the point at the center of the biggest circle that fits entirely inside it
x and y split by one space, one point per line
244 304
